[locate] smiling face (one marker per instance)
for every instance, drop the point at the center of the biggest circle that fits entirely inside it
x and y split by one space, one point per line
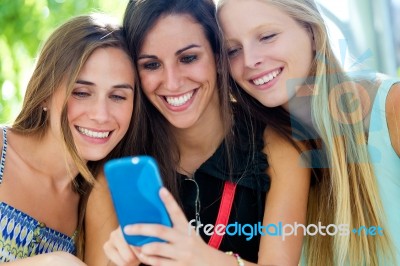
178 71
101 105
268 50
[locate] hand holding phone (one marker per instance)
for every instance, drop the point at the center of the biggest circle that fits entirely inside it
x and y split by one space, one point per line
134 183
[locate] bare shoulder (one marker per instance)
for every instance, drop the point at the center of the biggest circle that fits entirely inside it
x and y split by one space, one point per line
393 116
283 157
275 143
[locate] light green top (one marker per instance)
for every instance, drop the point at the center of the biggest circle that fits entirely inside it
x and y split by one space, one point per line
386 163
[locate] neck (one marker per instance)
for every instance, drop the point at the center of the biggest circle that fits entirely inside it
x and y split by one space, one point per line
49 159
199 142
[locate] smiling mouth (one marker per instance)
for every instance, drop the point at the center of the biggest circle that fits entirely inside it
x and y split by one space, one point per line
267 78
179 100
93 134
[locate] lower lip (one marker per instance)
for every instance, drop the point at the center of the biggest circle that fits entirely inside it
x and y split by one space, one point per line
181 107
269 84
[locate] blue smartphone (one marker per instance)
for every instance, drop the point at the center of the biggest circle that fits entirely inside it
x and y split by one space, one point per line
134 183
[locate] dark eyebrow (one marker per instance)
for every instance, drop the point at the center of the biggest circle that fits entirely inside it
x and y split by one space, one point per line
146 56
186 48
119 86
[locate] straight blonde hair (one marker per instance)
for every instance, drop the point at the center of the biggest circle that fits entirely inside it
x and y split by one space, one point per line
346 193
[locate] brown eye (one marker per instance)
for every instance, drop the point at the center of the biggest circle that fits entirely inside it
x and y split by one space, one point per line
188 59
151 65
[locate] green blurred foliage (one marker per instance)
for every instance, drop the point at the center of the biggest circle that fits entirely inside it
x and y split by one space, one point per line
24 26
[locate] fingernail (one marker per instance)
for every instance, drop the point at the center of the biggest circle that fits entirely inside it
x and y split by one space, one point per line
164 191
127 228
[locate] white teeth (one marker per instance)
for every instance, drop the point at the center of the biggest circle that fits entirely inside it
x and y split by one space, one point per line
181 100
266 78
93 134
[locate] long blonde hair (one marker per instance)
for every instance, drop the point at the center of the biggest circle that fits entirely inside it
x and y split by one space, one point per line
347 191
60 61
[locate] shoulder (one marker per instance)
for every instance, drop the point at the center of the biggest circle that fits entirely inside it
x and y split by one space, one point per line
284 158
275 143
393 116
394 95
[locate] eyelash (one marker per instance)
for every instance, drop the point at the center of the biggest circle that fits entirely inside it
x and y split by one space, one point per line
233 52
151 65
188 59
82 95
118 97
268 37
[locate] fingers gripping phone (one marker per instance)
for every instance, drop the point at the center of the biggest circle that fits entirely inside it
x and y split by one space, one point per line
134 183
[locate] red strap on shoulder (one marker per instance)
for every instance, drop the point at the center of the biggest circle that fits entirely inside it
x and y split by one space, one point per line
224 211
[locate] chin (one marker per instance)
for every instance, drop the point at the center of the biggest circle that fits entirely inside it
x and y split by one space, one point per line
93 157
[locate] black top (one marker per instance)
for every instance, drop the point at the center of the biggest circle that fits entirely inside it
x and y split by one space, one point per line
249 172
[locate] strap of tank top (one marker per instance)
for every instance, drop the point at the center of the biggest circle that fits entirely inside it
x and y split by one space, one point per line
3 153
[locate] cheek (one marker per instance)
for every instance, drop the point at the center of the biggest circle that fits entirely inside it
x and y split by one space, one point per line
148 82
234 67
73 110
122 109
125 118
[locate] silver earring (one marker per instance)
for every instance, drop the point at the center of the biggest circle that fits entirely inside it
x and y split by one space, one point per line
45 109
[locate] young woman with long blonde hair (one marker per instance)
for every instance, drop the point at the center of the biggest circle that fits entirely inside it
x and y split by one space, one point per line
280 56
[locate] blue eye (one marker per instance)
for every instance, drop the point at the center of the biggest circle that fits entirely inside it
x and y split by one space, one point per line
117 98
80 94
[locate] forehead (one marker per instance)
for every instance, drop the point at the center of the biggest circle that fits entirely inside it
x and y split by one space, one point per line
251 14
175 29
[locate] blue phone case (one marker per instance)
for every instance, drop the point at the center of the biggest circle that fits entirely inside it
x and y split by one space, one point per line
134 183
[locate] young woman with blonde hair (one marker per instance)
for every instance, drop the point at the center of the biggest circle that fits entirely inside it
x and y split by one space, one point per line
280 56
77 108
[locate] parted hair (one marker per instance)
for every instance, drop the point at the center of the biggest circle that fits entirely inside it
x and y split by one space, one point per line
158 140
346 193
57 67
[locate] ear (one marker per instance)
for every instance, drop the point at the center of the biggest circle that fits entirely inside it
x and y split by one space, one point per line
45 105
312 38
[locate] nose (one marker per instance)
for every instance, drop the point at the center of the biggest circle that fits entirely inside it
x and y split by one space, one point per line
172 78
99 111
252 57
